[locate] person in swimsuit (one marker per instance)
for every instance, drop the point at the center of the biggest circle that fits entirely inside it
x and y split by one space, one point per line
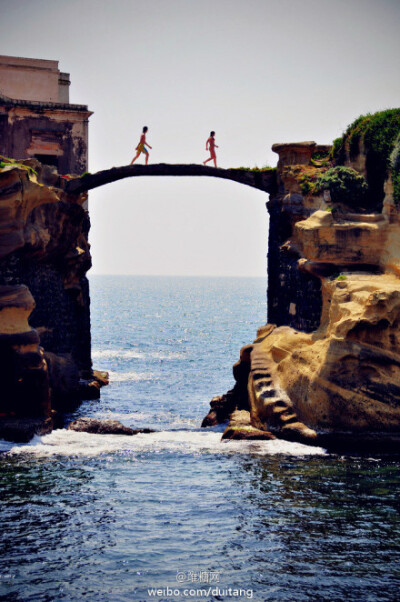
141 147
211 146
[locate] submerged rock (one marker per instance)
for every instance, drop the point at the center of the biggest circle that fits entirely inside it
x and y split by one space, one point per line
104 427
240 427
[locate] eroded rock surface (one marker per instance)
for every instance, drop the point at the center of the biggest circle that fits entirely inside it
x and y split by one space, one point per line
24 384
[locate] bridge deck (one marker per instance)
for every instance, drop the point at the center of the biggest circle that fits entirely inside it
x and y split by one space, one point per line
262 180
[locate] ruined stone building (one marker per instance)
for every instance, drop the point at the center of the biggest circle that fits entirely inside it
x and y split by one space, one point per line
36 118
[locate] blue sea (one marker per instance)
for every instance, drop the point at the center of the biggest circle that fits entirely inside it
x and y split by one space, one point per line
177 514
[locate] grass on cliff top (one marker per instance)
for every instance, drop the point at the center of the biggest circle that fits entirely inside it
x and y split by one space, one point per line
6 163
379 133
265 168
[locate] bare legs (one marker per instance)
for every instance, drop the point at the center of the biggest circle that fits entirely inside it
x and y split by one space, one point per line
138 155
212 158
134 158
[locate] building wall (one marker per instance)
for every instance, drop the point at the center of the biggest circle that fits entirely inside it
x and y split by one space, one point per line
30 79
36 119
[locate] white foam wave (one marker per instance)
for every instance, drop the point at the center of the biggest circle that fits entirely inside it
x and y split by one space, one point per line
71 443
136 354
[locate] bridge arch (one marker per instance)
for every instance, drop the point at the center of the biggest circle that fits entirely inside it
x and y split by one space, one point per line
264 180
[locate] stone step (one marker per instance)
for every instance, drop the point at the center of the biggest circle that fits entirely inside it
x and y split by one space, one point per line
267 393
279 407
261 374
288 418
262 384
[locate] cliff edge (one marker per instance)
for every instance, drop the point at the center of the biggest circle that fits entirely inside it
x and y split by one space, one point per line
44 257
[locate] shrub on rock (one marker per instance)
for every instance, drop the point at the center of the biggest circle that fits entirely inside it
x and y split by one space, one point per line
345 185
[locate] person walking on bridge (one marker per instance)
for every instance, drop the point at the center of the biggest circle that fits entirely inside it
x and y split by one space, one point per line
211 146
141 147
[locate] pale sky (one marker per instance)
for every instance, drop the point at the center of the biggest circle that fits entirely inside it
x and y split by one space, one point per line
255 71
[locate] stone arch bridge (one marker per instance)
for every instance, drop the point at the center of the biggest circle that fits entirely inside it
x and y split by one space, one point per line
262 180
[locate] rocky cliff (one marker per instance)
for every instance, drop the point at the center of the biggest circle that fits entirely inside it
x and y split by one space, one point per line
326 369
44 299
45 346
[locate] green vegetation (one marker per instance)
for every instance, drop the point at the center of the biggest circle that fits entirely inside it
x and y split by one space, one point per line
337 151
266 168
345 185
321 159
378 133
395 165
6 162
307 183
338 276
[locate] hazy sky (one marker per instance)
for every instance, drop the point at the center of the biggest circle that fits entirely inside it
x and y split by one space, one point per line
255 71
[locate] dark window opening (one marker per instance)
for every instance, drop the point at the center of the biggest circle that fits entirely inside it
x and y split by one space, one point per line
48 159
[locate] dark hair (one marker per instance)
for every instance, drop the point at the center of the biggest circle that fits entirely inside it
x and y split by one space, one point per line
145 129
212 133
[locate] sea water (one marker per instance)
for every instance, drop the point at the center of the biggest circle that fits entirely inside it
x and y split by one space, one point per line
178 514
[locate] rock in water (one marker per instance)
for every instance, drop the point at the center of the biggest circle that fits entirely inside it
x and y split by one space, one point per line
104 427
21 430
240 427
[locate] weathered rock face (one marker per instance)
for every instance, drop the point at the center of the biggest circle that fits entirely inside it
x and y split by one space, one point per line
346 240
338 386
326 370
44 257
346 375
25 380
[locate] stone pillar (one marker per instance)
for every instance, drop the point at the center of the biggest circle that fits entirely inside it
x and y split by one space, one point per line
294 297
